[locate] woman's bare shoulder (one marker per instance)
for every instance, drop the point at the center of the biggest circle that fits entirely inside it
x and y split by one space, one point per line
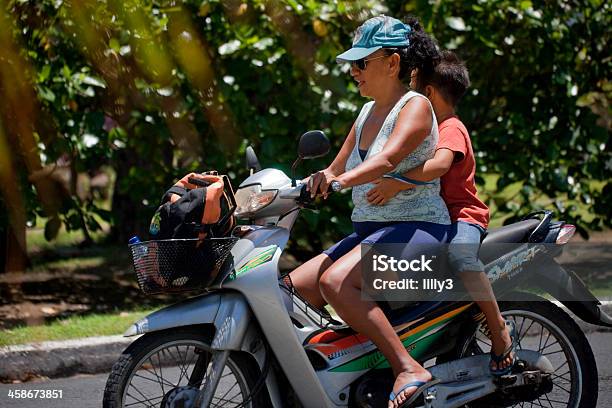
417 102
416 108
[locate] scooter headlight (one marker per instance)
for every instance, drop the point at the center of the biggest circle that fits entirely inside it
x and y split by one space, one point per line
251 199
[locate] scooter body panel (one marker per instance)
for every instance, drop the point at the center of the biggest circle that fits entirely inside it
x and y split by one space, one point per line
257 280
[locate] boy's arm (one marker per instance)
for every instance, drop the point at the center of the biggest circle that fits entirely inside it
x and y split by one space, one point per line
433 168
451 148
393 183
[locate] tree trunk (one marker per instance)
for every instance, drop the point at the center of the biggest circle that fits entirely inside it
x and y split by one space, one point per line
3 250
125 208
16 257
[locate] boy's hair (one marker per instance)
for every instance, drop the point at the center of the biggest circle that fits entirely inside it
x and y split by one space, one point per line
422 53
450 77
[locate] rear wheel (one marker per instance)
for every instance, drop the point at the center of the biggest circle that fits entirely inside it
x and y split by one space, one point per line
547 329
161 368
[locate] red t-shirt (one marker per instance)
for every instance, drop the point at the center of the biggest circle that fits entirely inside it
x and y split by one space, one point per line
458 188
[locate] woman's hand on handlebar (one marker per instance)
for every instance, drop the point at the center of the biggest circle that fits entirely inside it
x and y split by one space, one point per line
318 182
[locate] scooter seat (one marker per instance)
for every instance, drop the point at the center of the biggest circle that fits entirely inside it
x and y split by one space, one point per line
511 234
500 241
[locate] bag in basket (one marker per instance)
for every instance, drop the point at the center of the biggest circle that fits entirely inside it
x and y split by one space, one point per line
197 206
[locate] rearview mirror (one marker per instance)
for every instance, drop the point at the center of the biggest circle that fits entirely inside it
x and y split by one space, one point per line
251 160
313 144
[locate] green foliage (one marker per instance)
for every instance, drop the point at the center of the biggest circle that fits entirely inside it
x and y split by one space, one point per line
538 109
155 89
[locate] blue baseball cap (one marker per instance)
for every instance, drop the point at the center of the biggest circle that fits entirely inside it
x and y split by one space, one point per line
376 33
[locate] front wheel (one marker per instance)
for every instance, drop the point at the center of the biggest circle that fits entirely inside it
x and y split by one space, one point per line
547 329
161 368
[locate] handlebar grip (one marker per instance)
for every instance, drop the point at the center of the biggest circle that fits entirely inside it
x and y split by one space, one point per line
305 194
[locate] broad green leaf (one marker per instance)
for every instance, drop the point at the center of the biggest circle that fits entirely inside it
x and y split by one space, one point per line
44 73
52 228
114 44
90 80
46 93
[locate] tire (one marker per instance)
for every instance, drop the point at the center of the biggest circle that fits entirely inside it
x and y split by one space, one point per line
141 359
569 342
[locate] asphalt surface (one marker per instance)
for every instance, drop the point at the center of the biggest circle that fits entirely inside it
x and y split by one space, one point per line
85 391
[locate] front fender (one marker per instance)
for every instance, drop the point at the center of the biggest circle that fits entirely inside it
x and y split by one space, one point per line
197 310
227 311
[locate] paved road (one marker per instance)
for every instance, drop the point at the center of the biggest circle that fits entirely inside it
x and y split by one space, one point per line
86 391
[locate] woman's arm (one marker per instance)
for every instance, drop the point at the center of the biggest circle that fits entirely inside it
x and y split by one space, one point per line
321 179
412 126
339 164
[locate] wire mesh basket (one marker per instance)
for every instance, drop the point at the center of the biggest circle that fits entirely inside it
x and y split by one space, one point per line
179 265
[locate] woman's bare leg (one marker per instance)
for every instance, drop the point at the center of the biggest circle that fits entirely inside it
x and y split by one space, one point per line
305 279
478 286
341 287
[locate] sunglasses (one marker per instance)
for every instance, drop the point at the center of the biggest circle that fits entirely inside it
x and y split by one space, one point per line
361 64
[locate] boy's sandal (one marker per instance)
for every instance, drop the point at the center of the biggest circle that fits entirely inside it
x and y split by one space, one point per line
509 352
421 386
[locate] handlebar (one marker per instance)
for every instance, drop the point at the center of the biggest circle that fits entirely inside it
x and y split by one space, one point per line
305 197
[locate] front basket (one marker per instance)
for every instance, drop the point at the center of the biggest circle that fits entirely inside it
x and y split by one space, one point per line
179 265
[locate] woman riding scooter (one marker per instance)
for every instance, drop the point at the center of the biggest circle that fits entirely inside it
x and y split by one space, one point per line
394 132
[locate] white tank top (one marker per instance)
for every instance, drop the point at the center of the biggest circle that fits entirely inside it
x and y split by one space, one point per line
421 203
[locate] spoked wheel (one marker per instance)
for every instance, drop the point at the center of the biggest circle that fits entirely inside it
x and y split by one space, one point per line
166 369
547 329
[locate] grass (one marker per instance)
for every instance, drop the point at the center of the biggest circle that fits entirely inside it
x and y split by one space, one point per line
72 328
71 265
602 293
36 241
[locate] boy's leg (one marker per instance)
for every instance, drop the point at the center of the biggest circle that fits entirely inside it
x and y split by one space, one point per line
463 257
478 286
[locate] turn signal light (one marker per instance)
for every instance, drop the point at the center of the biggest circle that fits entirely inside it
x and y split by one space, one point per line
565 234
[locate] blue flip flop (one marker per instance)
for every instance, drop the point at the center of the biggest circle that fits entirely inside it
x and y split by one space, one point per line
510 350
421 386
